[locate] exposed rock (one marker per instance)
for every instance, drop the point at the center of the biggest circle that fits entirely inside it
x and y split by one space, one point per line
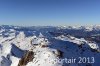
29 56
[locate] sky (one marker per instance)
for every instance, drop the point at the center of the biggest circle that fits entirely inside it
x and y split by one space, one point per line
49 12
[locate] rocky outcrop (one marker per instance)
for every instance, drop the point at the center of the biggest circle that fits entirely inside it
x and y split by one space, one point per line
27 58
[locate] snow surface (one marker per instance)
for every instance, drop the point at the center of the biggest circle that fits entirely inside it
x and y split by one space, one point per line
14 43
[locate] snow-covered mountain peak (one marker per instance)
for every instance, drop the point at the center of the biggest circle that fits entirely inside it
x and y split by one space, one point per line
36 46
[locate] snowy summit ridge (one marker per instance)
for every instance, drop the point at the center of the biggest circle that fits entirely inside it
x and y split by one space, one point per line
48 45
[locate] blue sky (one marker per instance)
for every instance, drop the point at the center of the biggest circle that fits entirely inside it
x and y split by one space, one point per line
49 12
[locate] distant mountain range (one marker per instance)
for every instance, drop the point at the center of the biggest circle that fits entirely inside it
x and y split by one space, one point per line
46 45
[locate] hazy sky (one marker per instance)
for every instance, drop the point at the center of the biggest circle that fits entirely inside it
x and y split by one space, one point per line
49 12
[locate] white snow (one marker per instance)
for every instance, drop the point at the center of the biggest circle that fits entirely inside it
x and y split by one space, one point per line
45 50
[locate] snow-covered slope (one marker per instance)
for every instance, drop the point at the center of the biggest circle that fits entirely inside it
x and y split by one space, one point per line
48 46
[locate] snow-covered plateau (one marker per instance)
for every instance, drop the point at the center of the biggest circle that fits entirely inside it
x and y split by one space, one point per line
49 46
